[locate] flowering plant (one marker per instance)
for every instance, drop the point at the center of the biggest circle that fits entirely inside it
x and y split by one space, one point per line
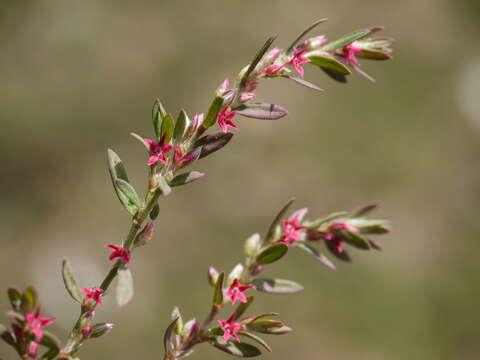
180 143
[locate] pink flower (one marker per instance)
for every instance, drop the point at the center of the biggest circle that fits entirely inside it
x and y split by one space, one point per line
35 323
33 350
236 292
349 54
87 330
224 119
119 252
158 150
298 60
274 69
230 328
180 159
94 294
291 230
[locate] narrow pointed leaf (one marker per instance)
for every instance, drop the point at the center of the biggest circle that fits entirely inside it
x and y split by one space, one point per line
364 210
124 291
316 254
237 349
277 286
329 63
163 185
278 330
101 329
242 307
262 111
305 32
181 125
212 113
155 211
303 82
168 126
258 340
118 172
129 192
335 75
356 240
29 300
272 231
213 142
70 282
271 254
186 178
158 113
316 223
345 40
15 298
6 335
141 139
167 344
218 291
257 58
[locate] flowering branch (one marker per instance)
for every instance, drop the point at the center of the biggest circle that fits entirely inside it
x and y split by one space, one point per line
180 143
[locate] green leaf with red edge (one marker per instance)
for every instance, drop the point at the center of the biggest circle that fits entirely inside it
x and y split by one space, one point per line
261 111
70 282
277 286
236 349
271 254
212 113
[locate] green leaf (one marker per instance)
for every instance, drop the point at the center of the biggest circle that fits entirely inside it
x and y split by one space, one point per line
124 286
316 254
261 111
258 340
273 231
242 307
335 75
166 131
101 329
158 113
141 139
163 185
186 178
345 40
213 142
218 290
51 341
330 63
277 286
271 254
155 211
236 349
15 298
213 111
305 32
6 335
167 342
278 330
316 223
364 210
129 192
355 239
181 125
302 82
257 58
118 172
70 281
177 315
29 300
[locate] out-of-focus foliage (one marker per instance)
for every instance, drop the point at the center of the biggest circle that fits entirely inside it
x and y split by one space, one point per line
78 76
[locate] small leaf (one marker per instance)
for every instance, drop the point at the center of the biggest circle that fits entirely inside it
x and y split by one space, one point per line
163 185
118 172
155 211
213 142
345 40
70 281
258 340
15 298
167 342
129 192
6 335
364 210
166 131
212 113
271 254
141 139
218 291
176 315
124 286
278 330
158 113
51 341
272 231
355 239
316 223
236 349
256 59
101 329
277 286
335 76
328 62
316 254
262 111
305 32
29 300
303 82
181 125
186 178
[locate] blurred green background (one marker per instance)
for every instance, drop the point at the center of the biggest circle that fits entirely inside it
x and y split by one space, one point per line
78 76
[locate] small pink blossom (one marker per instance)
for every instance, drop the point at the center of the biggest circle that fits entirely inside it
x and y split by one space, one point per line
291 230
236 292
33 350
180 159
349 54
87 330
35 323
230 328
94 294
274 69
224 119
298 60
119 252
158 151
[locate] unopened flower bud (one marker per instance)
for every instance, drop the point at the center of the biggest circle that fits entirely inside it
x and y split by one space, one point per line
87 330
223 87
246 97
252 245
144 236
257 270
212 275
315 42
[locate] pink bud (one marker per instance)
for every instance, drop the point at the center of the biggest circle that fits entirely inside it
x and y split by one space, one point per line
246 97
316 42
87 330
223 87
